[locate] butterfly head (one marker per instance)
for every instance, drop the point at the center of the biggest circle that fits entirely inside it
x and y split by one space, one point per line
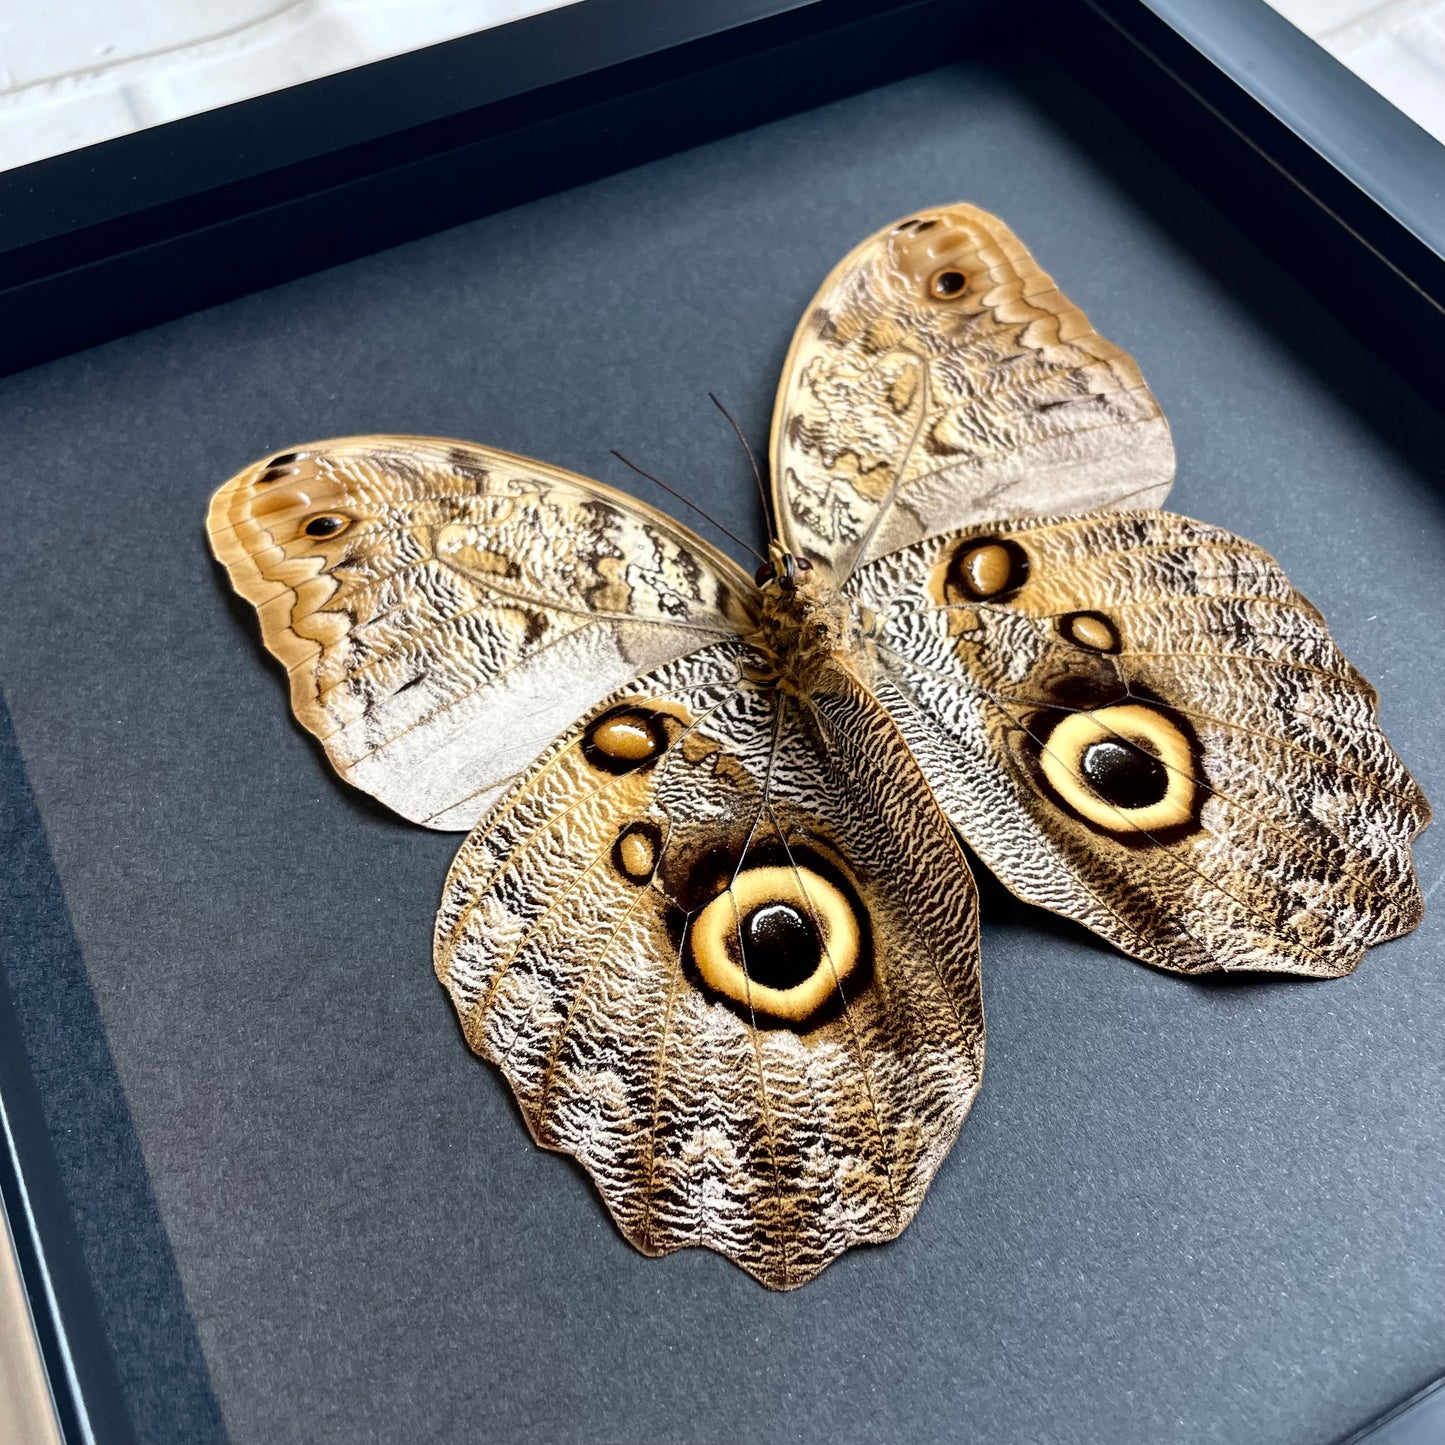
782 568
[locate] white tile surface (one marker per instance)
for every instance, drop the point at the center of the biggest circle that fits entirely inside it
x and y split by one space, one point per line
73 72
1397 46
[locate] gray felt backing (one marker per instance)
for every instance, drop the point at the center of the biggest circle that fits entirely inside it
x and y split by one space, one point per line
1180 1211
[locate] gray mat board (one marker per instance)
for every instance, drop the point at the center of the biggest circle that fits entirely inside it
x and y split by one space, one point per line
1180 1211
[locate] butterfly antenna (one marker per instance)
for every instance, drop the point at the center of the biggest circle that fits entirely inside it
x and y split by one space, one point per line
707 516
752 462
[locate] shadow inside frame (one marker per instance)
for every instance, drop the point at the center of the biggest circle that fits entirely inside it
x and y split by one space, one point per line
92 1196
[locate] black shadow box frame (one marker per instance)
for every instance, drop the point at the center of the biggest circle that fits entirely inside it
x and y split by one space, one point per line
1263 180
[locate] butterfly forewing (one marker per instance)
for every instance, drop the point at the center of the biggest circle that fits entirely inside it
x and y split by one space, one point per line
445 610
939 377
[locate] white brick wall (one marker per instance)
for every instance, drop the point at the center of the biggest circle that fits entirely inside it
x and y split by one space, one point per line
77 71
73 72
1398 46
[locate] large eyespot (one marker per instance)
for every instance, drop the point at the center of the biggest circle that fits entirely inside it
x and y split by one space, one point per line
625 738
783 946
986 569
948 284
1128 769
328 524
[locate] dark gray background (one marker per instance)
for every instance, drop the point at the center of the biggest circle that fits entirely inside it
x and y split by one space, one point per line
1180 1211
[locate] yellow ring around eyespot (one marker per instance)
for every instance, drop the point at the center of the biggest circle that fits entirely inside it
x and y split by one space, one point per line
715 939
1131 722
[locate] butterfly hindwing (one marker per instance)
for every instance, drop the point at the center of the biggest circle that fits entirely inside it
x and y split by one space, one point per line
1135 720
940 377
444 610
723 944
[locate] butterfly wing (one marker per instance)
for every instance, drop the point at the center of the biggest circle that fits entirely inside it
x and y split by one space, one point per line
723 944
939 378
1136 721
445 610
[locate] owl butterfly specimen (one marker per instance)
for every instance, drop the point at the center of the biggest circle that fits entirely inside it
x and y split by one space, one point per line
713 919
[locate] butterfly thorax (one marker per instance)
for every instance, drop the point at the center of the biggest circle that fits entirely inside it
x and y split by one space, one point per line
805 630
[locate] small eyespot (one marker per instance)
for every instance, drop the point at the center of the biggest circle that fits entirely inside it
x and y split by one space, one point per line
326 525
1093 631
636 851
986 569
279 468
625 738
948 284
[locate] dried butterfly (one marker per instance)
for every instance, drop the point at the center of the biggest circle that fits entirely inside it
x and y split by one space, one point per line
713 920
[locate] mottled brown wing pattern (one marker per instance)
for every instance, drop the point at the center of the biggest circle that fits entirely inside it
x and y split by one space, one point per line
445 610
723 944
940 377
1135 720
713 923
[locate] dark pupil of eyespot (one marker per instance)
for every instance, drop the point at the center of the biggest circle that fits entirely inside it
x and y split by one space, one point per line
949 283
780 946
324 526
1123 774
